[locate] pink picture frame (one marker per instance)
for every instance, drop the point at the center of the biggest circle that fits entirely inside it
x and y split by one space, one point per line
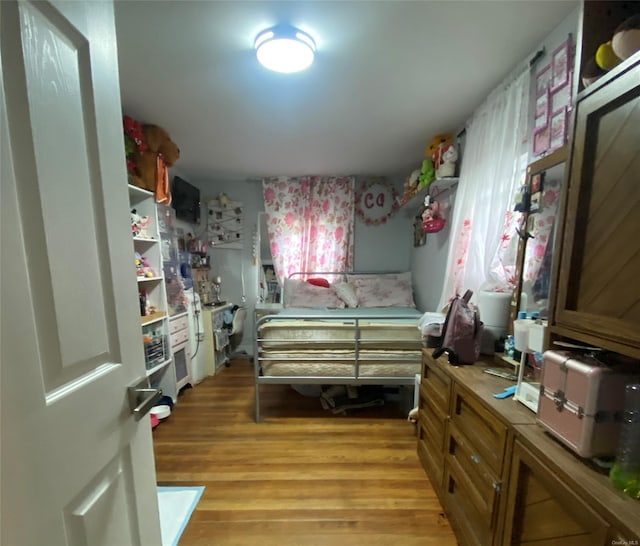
541 112
558 129
543 78
541 140
560 97
560 61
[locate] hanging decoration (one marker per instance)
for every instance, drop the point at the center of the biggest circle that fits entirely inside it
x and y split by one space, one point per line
376 201
225 223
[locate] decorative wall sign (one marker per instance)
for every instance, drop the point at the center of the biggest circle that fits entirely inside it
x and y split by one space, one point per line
224 224
376 200
542 80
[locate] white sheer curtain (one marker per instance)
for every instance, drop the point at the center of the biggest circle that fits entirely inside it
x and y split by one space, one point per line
482 250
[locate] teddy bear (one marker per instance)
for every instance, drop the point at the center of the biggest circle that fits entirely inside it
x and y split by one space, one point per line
150 152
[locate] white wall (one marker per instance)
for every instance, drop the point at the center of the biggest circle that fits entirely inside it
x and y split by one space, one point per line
387 246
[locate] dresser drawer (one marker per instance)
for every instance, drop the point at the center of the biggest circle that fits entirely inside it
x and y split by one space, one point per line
485 433
430 442
436 385
474 476
432 419
180 323
181 336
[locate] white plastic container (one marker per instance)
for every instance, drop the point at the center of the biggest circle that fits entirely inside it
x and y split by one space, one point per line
521 334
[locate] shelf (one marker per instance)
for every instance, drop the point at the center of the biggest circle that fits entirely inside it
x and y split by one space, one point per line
149 279
159 367
415 202
153 317
145 240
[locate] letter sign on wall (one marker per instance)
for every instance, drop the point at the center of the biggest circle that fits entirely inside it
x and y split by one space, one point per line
376 200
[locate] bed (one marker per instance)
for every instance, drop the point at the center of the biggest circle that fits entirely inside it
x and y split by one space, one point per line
340 329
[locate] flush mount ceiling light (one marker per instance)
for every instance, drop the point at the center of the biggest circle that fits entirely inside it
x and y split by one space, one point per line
285 49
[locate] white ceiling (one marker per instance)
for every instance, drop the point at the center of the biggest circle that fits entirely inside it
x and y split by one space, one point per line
388 76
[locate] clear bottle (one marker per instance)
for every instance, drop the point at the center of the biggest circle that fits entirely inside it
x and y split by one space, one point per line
625 473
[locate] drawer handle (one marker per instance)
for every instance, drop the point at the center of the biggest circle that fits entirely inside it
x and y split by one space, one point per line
475 459
497 486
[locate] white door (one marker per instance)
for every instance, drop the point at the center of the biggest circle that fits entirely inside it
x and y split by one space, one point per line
77 468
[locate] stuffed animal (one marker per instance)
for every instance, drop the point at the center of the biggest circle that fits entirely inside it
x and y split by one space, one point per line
436 146
150 152
448 159
427 174
152 164
135 223
144 227
626 38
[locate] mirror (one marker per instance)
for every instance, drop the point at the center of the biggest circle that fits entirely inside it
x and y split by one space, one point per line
537 249
268 285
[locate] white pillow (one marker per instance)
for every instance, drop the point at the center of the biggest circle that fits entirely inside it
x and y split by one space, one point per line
347 293
384 291
302 294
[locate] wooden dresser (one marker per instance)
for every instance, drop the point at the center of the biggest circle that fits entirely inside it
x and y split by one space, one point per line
500 478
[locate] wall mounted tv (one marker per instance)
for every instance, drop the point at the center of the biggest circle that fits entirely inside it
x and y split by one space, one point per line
185 199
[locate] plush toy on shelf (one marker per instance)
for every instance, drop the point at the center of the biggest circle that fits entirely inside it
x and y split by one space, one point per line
448 158
135 223
437 146
143 269
427 174
626 37
150 152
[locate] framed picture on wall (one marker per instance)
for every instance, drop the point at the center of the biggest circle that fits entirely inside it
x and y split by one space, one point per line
541 140
561 97
558 129
560 65
543 79
541 115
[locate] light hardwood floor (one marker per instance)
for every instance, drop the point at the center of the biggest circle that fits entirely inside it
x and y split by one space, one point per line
302 477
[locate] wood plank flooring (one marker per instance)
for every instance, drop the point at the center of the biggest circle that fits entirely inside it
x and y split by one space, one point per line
301 477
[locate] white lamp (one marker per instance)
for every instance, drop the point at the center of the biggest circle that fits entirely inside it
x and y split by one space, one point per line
285 49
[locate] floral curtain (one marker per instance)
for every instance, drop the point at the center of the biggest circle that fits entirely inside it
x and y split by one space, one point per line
310 222
483 249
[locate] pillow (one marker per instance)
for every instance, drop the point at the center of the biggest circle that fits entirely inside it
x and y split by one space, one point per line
299 293
347 293
384 290
319 281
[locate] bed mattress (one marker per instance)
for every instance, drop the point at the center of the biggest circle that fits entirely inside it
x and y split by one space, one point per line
389 343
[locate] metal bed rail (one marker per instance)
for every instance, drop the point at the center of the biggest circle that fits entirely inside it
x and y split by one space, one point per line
355 347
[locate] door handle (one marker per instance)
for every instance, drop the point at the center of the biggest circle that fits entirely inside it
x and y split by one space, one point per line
142 398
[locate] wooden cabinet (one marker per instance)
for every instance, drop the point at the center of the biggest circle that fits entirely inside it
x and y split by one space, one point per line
464 443
556 498
598 300
501 478
433 418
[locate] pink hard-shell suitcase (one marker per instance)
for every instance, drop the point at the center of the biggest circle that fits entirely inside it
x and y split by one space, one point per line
581 401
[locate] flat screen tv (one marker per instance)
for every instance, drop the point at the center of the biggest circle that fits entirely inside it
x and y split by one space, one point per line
185 199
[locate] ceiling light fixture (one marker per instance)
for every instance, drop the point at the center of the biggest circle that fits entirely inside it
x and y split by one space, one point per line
285 49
